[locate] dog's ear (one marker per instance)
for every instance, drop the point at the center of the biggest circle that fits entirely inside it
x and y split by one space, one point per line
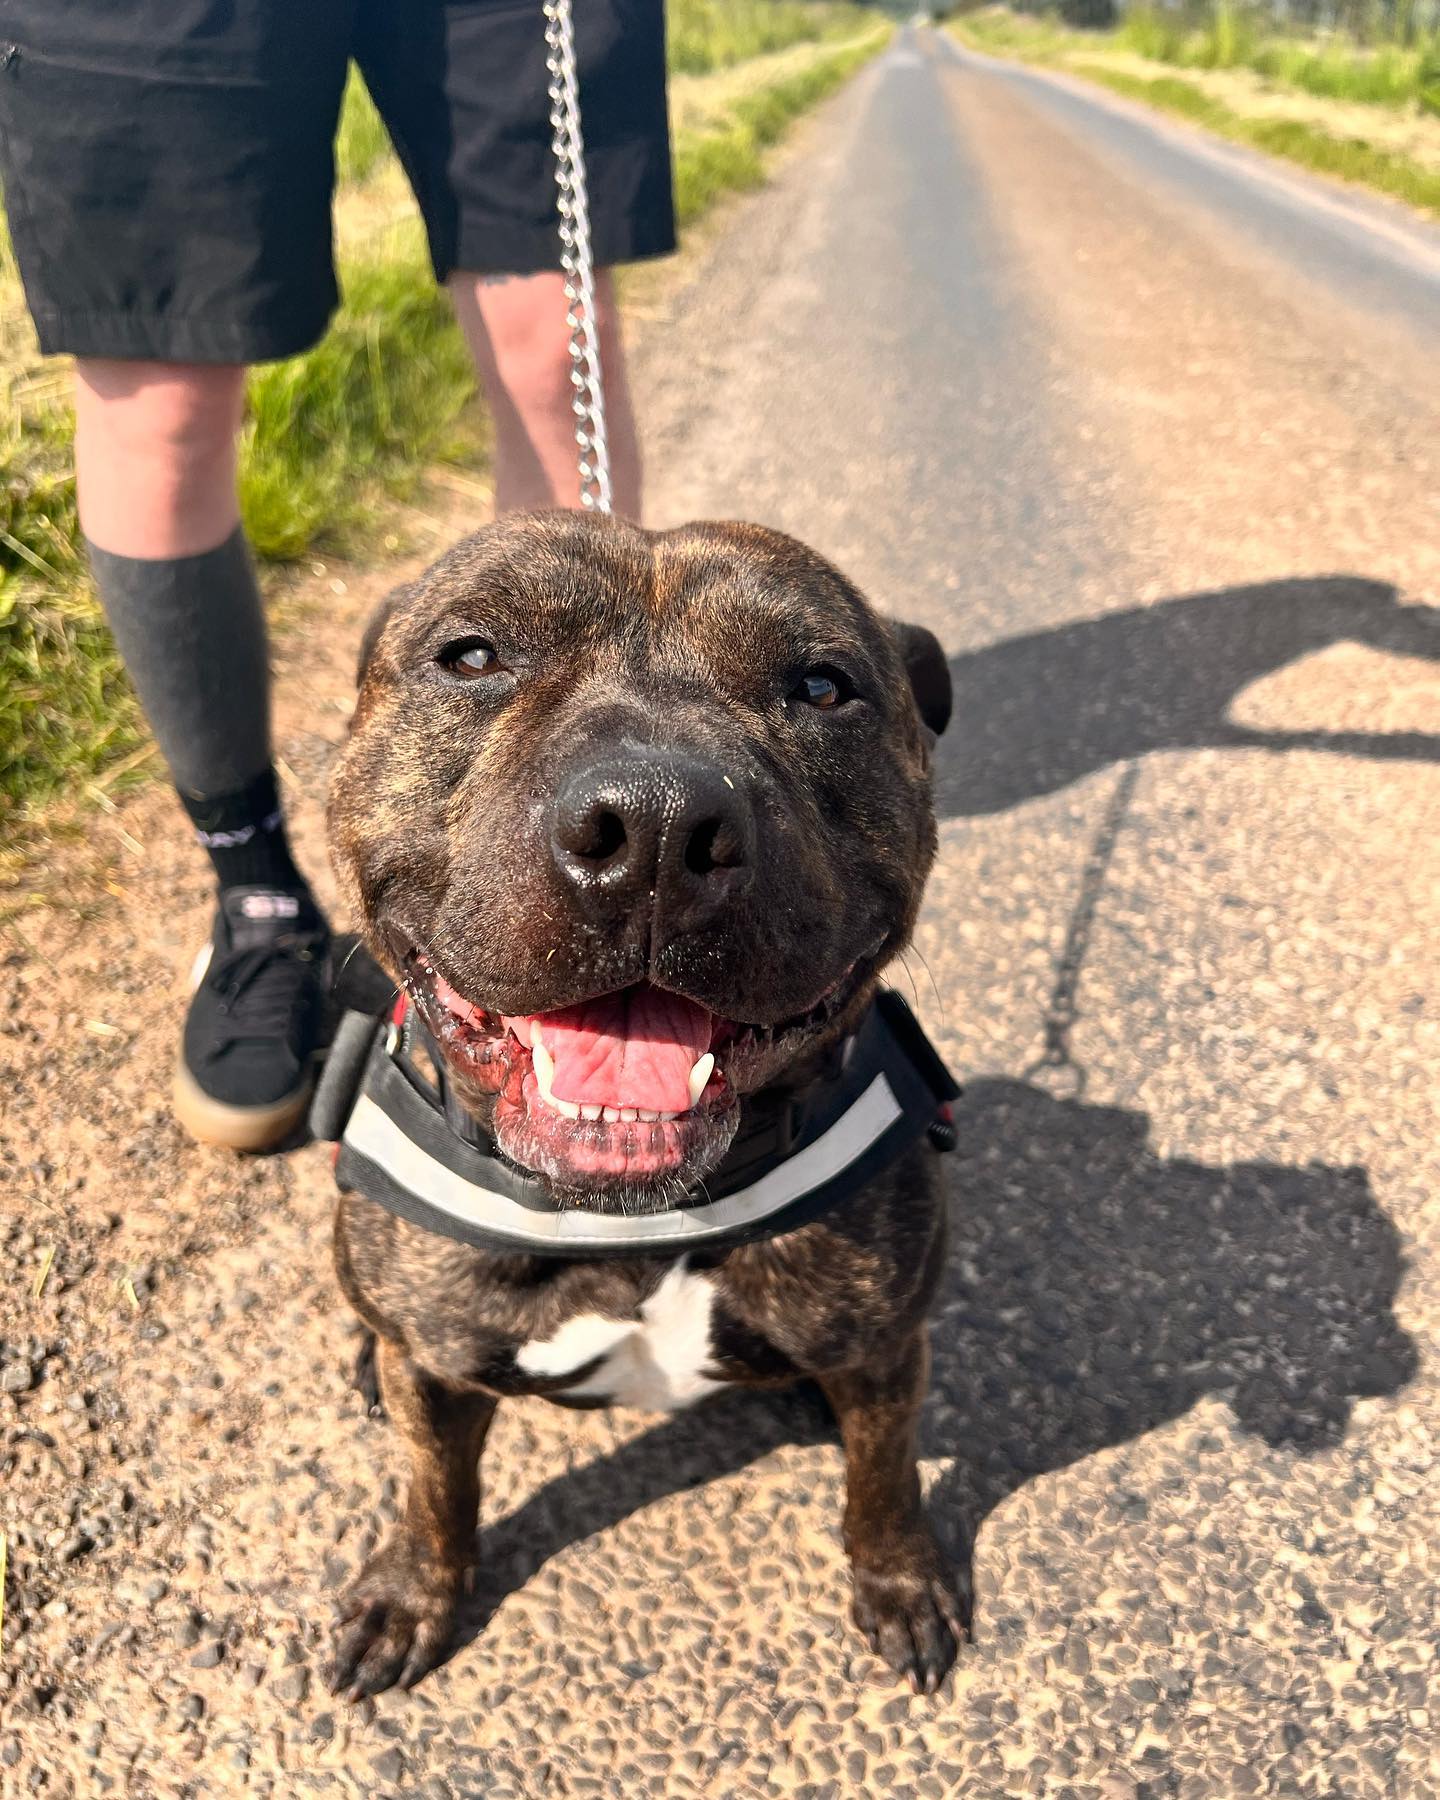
924 658
379 619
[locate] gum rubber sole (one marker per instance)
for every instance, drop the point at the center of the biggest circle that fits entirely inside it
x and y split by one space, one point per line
253 1128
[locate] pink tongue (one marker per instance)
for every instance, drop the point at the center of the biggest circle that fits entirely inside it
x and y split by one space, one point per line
635 1048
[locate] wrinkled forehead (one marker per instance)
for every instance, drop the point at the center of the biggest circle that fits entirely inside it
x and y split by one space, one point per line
735 600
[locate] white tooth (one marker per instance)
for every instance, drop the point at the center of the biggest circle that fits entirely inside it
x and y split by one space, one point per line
545 1078
645 1116
610 1114
627 1115
591 1112
535 1042
699 1075
666 1116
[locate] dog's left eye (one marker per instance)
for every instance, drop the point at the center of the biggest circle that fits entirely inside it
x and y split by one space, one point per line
823 688
469 658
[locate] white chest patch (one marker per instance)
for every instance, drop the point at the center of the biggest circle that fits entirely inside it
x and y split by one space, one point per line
657 1362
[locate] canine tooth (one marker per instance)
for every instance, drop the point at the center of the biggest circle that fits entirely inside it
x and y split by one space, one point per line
699 1075
591 1112
536 1042
544 1080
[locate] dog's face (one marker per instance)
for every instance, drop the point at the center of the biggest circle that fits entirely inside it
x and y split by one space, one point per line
637 817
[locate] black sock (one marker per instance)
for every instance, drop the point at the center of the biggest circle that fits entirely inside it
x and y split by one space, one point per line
243 833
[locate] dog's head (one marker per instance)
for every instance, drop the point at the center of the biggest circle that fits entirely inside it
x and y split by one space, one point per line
637 817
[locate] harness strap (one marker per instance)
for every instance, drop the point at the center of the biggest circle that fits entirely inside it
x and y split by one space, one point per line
796 1154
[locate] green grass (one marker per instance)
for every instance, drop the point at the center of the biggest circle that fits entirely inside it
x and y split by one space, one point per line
1352 159
705 35
1028 36
1223 35
729 155
1336 68
1162 38
64 702
362 142
332 435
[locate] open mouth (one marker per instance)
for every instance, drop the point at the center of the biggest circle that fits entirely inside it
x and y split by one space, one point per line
638 1088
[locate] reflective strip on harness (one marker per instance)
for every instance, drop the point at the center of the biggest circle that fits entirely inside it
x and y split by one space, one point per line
387 1148
793 1159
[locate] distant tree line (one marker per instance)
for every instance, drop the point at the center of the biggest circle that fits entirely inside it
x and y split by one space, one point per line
1366 21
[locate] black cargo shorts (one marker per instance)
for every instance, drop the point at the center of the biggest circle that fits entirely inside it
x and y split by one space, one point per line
168 164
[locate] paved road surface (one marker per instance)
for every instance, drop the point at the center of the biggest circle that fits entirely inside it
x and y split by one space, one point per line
1153 443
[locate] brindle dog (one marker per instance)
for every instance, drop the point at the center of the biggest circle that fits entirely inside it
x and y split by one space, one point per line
597 775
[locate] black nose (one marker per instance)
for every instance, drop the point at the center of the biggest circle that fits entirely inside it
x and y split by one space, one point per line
655 824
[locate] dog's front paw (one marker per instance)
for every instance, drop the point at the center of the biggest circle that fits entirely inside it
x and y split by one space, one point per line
911 1614
394 1622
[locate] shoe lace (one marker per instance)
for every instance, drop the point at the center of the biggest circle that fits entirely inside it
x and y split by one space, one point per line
259 989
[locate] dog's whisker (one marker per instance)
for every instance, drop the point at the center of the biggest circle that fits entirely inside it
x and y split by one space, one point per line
934 985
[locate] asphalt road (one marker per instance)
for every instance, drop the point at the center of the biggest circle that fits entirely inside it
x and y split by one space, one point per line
1152 440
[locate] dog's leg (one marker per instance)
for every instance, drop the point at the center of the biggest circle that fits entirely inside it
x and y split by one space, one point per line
397 1618
905 1600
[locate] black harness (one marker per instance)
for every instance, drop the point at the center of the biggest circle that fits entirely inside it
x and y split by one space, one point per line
404 1140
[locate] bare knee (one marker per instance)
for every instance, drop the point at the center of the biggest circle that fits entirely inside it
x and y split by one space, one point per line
159 410
155 447
527 338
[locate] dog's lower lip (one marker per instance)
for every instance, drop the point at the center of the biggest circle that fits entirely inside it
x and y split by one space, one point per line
586 1149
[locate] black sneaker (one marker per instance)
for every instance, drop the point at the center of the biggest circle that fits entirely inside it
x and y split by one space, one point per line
257 1020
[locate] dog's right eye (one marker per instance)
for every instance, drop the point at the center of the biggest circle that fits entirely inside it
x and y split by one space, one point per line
470 658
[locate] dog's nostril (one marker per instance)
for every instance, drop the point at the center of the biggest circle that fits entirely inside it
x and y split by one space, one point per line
713 844
606 837
609 836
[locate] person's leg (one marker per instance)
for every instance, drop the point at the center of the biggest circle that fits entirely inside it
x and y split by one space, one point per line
463 91
168 187
515 326
155 455
155 448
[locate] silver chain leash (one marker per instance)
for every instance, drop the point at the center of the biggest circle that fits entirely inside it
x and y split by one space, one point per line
576 259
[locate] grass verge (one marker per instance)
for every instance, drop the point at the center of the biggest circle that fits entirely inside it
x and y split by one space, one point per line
1306 141
1332 67
706 35
726 153
1351 159
385 392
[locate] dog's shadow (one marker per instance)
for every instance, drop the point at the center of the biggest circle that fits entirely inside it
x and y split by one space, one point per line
1092 1292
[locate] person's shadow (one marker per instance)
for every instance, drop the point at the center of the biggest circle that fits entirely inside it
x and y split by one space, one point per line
1035 713
1092 1291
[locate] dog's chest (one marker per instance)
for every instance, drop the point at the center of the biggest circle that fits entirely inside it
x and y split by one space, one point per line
660 1360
